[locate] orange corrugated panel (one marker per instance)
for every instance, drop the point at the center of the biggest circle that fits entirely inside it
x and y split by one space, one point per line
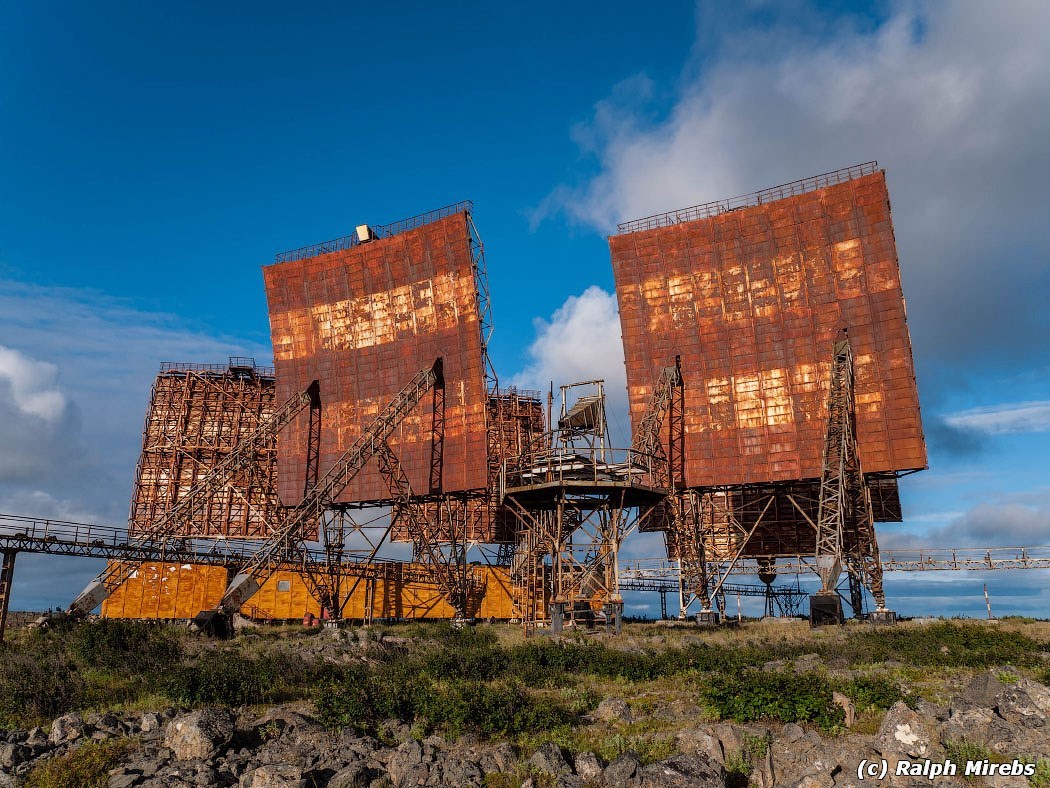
166 591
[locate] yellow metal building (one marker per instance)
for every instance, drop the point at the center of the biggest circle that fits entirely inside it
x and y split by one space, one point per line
181 591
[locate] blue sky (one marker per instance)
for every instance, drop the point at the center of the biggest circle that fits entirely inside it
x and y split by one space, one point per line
153 158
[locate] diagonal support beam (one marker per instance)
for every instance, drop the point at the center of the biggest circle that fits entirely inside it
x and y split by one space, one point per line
170 525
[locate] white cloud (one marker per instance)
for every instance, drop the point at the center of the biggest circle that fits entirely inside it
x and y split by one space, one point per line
32 385
78 444
952 99
581 341
1021 520
1003 419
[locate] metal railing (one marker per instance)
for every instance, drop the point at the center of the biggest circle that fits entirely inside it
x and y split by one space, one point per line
514 391
379 230
572 464
87 540
178 366
709 209
915 560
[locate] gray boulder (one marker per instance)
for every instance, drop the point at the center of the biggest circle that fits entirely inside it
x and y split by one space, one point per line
67 728
623 770
461 771
981 691
613 710
150 723
354 776
587 766
700 741
906 733
549 760
1016 703
499 759
13 754
275 775
201 734
408 765
682 771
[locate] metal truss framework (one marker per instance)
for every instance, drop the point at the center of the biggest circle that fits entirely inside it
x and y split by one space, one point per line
782 600
575 499
438 525
845 509
7 576
710 530
164 535
284 545
20 534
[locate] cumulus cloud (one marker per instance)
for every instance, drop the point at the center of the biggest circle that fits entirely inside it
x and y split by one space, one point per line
580 341
73 392
31 385
74 389
951 98
38 427
1003 419
1011 521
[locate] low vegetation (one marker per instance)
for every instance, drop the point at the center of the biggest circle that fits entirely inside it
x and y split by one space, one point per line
85 767
489 682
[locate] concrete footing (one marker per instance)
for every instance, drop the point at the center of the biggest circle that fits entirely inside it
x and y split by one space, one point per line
882 617
825 608
707 618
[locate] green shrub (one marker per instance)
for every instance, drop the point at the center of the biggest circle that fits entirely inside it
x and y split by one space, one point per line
37 683
785 697
125 646
221 677
470 653
346 702
85 767
362 699
873 692
502 708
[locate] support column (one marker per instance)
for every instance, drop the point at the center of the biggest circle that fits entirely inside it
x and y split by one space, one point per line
557 617
7 576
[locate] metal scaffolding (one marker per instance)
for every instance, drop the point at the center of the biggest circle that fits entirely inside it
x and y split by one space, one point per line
575 500
198 414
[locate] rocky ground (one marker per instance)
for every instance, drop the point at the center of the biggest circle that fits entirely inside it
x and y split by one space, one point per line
285 747
992 715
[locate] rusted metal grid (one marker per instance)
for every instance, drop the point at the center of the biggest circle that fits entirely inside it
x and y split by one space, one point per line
198 413
362 320
752 300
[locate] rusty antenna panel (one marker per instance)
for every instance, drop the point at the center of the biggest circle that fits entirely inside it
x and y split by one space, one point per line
751 293
361 314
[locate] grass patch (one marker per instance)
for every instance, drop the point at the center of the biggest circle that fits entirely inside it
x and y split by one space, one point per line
362 699
37 684
85 767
